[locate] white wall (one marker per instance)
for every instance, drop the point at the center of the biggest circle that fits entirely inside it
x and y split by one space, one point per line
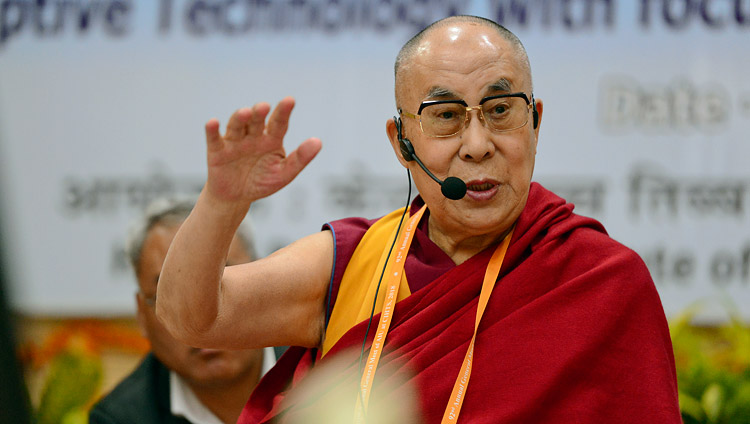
647 111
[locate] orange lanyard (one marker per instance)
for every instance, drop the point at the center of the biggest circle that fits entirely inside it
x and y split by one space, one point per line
395 270
462 381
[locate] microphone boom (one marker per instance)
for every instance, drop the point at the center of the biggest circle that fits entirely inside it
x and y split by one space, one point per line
453 188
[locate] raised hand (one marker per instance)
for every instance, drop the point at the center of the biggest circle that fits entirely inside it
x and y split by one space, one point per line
249 162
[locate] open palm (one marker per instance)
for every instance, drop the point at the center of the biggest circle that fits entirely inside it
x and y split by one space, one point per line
249 162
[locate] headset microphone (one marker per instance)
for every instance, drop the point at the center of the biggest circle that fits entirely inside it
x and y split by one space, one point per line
453 188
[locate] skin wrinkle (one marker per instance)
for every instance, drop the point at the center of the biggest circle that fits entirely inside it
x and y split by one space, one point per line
420 45
437 92
501 85
458 66
454 65
440 93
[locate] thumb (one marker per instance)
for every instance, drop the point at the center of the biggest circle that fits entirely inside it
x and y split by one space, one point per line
301 156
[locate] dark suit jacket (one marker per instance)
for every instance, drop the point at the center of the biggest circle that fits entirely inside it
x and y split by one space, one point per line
143 398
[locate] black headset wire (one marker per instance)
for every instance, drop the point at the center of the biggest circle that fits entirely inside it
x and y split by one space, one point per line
377 289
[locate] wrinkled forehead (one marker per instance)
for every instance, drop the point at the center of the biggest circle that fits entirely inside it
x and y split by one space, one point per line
462 60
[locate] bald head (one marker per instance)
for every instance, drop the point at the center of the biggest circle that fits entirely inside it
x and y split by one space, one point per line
417 44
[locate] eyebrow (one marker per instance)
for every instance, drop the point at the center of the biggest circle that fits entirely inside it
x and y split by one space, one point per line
500 85
437 92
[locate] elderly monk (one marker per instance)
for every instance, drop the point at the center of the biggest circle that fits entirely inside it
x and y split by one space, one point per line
501 306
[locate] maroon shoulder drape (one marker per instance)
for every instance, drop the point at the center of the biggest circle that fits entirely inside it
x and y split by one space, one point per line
574 332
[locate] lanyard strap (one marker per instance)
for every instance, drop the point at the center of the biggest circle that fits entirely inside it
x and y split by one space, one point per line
394 272
395 269
462 381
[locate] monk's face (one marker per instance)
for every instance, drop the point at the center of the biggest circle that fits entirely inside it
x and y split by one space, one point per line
199 367
468 61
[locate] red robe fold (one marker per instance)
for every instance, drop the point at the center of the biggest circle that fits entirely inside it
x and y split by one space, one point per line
574 332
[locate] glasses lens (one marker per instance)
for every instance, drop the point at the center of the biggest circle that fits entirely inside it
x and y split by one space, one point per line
505 113
443 119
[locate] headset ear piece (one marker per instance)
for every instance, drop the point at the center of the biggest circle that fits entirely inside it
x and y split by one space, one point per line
407 150
536 118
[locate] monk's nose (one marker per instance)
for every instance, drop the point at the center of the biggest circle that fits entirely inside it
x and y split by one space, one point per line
476 143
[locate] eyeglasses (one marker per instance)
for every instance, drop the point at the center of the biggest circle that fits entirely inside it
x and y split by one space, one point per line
445 118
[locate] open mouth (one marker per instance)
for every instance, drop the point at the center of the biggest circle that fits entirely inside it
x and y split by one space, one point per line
480 187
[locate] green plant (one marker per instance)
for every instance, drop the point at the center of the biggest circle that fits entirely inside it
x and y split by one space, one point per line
73 380
713 369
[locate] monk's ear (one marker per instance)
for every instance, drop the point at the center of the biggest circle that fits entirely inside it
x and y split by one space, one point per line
392 131
539 109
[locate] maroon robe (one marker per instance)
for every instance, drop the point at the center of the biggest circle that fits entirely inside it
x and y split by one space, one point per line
574 332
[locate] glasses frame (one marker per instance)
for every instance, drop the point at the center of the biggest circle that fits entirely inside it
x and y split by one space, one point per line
529 104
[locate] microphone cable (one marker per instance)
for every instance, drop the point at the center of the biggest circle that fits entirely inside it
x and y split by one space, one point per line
377 289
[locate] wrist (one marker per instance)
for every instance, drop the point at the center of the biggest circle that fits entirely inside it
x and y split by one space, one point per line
222 210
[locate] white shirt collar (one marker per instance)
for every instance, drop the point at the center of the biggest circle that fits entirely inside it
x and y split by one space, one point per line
184 403
269 360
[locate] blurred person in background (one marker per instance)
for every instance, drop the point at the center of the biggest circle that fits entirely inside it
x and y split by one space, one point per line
177 383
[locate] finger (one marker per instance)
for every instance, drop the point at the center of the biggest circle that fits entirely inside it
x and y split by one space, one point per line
257 122
213 138
236 127
278 123
300 157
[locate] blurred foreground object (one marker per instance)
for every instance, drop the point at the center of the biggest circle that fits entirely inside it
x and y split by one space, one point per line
14 401
329 394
